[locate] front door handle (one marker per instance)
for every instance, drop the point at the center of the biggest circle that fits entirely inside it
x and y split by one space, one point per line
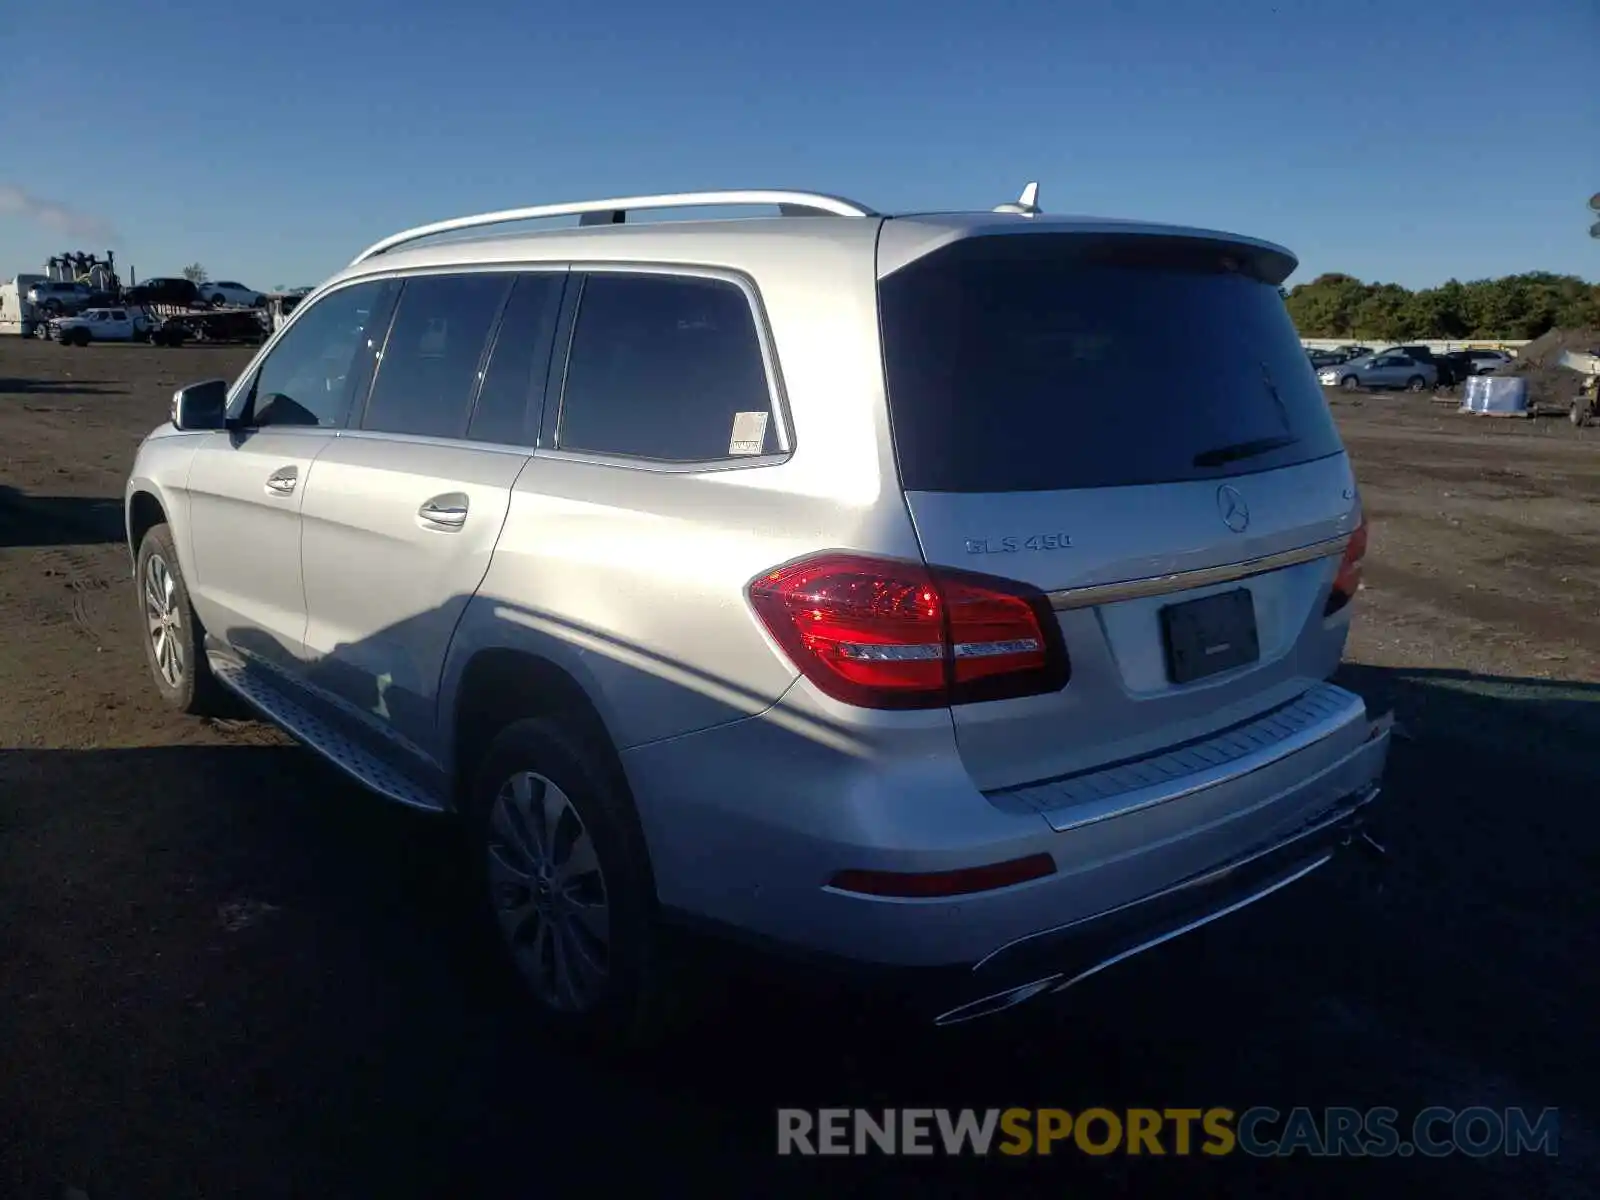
282 481
444 512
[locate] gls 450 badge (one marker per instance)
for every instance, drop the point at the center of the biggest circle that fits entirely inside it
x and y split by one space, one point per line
1011 545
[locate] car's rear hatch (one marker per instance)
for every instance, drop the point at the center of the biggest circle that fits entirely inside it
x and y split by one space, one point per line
1080 407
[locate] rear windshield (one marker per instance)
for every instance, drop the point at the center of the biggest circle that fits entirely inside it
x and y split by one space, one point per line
1041 361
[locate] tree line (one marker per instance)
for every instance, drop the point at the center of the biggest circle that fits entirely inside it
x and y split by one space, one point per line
1511 307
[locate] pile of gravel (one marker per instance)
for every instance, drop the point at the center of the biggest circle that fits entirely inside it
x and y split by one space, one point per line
1549 383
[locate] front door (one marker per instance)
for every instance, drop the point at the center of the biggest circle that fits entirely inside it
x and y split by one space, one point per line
247 484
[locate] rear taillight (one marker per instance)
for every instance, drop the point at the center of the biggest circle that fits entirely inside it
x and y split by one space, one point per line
882 633
1348 581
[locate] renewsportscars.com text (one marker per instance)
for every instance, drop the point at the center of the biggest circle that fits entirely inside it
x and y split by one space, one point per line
1261 1132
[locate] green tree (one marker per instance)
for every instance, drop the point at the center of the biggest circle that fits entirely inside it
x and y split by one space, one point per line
1515 306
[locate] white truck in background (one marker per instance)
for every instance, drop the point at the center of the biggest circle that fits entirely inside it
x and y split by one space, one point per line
120 323
17 316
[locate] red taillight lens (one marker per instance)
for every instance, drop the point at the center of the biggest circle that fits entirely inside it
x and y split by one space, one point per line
1348 581
934 884
887 634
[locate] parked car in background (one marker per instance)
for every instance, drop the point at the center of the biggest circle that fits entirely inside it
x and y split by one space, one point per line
1448 370
176 292
1390 369
216 292
122 324
1353 351
1325 358
59 299
1485 361
1454 366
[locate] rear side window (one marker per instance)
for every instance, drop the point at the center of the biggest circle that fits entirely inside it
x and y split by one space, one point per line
508 407
429 370
666 368
1043 361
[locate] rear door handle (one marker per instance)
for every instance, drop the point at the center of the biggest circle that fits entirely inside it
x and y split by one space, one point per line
282 481
444 512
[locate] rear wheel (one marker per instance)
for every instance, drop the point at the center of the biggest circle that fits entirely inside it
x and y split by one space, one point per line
1349 383
174 639
1416 383
559 858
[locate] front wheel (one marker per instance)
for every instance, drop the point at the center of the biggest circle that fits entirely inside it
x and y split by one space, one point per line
561 864
1579 414
1349 383
1416 384
174 640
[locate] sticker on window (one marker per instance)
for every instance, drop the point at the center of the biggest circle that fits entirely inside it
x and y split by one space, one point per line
749 433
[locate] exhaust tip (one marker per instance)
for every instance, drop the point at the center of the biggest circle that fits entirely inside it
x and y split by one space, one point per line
998 1002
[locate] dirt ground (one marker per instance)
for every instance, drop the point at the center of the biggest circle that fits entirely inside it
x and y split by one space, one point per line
226 972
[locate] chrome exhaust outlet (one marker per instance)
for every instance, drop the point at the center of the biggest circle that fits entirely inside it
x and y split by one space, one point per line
998 1002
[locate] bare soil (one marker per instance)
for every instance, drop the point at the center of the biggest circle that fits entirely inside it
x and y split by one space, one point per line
226 972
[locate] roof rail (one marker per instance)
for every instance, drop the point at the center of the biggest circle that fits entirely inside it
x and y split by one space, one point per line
614 212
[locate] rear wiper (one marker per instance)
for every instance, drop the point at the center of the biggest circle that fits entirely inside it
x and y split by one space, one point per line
1239 450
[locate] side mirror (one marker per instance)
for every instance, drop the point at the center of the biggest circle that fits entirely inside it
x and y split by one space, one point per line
200 405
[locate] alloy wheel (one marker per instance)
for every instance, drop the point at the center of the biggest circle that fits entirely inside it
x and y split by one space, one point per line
549 893
164 620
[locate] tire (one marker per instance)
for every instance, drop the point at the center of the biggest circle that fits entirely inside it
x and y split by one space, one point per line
218 300
1416 384
162 596
613 995
1350 383
1579 414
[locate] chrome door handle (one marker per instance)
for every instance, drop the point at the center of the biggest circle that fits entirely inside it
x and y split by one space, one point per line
282 481
444 512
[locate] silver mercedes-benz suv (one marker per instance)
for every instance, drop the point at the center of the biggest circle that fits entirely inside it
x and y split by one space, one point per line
951 593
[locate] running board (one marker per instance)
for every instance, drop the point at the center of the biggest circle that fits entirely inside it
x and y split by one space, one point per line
320 737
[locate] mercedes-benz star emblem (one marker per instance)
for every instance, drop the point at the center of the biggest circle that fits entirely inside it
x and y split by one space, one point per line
1235 512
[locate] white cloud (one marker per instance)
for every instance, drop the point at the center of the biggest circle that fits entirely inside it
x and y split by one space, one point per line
61 218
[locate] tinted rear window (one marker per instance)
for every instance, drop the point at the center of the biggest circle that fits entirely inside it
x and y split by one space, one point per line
1042 361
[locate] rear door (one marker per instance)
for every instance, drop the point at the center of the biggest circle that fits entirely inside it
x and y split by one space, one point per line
1121 421
401 518
1392 370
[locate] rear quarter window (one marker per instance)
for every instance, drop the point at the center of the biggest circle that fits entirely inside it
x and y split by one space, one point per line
666 368
1047 361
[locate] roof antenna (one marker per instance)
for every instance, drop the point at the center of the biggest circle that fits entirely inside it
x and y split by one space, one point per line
1027 205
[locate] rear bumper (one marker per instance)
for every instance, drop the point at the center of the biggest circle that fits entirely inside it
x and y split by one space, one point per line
1053 960
748 824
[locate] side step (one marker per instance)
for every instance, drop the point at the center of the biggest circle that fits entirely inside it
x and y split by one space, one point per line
321 737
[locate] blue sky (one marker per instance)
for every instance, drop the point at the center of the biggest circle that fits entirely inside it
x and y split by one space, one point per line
1407 142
